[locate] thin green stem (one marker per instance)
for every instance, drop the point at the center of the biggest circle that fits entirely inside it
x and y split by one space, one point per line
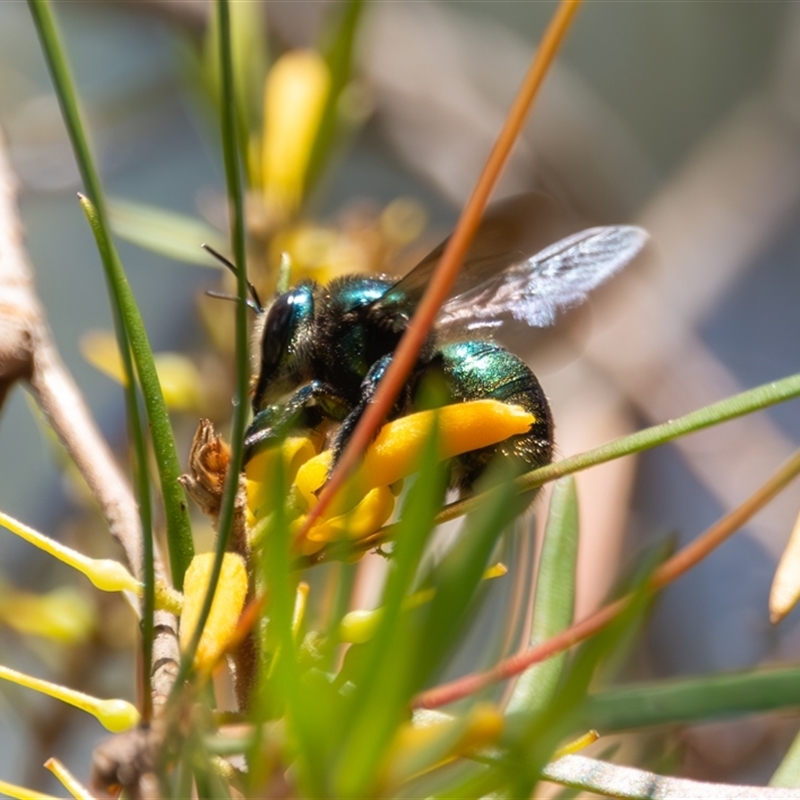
140 470
692 699
179 534
236 201
65 90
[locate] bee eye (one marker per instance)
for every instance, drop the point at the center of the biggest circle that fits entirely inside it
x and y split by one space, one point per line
277 330
288 316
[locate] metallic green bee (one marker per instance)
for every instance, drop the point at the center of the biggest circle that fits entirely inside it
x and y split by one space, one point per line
324 349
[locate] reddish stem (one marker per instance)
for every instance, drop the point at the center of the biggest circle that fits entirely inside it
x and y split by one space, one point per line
671 569
407 351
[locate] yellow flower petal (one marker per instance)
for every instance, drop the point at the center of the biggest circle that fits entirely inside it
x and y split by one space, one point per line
785 591
294 97
463 427
312 475
396 451
364 519
179 377
367 500
497 570
225 610
300 606
180 382
100 349
359 626
63 615
590 737
296 450
419 748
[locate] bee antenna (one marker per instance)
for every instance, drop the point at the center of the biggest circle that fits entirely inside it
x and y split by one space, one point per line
255 302
235 298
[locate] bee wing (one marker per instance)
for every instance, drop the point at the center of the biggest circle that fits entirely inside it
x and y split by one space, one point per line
535 289
510 232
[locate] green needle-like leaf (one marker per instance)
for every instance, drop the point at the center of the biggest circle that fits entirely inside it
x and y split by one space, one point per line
240 408
179 534
168 233
737 406
385 677
457 578
554 603
532 738
693 699
339 58
747 402
132 339
248 68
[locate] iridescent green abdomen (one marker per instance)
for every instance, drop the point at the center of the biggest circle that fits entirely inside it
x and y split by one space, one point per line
477 370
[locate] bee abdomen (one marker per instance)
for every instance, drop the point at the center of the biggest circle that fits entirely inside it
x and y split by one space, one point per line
477 370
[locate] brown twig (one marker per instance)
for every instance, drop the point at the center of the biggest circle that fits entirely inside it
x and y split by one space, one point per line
28 353
613 780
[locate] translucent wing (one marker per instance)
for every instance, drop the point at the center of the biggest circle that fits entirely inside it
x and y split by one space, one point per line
510 232
510 269
533 290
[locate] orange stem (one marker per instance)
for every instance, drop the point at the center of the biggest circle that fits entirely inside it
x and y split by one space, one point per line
671 569
407 351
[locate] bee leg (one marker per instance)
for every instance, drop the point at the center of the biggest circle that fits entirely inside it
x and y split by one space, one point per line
304 410
368 388
475 370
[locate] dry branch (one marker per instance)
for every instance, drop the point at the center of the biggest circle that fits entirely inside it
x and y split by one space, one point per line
28 353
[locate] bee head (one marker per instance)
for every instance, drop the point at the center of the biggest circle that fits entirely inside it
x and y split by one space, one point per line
283 350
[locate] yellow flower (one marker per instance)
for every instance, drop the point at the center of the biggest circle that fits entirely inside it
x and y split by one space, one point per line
63 615
295 94
367 500
295 451
424 744
179 378
320 253
225 610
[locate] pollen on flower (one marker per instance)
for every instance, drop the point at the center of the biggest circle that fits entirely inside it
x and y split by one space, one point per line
225 610
396 451
366 502
295 451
